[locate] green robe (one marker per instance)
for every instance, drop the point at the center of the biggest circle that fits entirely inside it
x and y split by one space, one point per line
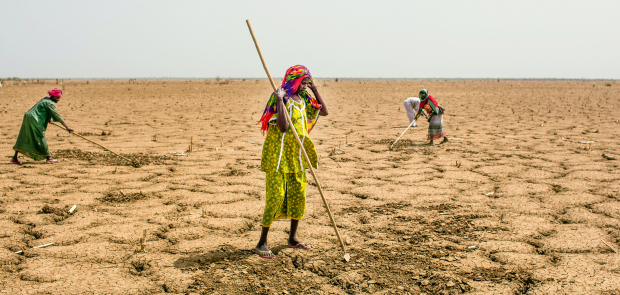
31 139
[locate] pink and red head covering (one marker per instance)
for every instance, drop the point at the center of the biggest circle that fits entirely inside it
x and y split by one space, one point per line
290 84
55 92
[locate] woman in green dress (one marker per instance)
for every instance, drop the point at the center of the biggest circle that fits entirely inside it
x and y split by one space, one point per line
282 158
31 140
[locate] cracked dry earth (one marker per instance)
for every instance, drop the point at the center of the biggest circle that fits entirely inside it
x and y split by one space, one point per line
514 205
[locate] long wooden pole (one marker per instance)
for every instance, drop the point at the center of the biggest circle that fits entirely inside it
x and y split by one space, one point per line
401 135
105 148
301 146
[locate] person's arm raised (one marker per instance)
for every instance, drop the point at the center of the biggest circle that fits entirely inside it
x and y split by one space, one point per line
324 111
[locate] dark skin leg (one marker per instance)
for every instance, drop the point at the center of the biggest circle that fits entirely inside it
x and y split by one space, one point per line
262 243
292 237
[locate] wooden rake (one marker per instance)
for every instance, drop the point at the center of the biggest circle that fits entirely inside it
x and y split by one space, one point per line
412 122
105 148
347 257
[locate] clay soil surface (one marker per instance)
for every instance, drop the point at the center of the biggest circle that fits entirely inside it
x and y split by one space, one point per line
514 204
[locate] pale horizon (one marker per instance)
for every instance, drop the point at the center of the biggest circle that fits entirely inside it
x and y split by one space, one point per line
572 40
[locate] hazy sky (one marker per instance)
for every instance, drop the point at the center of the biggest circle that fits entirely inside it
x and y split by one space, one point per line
335 38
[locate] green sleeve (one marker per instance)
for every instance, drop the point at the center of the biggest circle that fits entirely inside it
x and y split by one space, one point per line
51 108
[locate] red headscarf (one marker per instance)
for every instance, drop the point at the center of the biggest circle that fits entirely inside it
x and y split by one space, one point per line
55 92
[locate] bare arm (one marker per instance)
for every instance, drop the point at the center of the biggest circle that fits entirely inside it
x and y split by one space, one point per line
324 111
281 119
68 128
421 112
63 124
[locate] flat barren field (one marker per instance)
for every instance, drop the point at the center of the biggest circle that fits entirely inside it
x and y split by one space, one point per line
518 202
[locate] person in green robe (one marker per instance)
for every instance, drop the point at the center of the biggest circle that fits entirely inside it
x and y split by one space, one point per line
31 140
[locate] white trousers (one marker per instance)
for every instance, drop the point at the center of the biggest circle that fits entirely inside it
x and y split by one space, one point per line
412 105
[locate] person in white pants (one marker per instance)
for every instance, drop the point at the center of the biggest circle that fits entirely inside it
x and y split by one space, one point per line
412 105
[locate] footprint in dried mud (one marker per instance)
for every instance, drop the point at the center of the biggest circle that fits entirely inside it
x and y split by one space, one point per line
140 267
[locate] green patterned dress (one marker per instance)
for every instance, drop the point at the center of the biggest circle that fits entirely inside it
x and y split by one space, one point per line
31 140
285 165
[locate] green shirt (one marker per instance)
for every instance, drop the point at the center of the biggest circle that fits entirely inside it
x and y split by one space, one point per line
281 152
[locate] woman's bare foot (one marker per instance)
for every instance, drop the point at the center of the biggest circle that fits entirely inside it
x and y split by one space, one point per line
445 139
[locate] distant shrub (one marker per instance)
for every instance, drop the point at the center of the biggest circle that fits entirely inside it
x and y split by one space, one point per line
336 80
608 84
